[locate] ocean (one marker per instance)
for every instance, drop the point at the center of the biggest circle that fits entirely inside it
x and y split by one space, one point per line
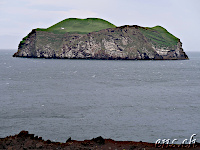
83 99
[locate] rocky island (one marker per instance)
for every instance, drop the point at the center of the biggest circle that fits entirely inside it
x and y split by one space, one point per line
95 38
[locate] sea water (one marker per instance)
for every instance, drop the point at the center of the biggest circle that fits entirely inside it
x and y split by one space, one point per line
82 99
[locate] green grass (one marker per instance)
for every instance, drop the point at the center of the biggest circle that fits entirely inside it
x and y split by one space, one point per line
160 36
157 35
81 26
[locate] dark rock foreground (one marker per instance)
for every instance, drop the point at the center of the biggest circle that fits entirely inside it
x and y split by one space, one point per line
24 140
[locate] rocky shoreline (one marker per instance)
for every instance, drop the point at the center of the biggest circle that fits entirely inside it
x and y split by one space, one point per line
24 141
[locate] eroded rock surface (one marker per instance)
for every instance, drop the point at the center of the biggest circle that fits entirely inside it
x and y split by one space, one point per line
24 141
127 42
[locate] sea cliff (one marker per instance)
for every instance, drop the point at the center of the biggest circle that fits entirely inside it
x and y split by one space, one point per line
125 42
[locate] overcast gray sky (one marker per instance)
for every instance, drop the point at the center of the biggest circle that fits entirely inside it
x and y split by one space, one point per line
179 17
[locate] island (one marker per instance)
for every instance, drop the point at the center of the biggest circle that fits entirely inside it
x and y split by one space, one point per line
95 38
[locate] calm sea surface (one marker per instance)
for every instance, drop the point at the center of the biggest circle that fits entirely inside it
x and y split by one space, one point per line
83 99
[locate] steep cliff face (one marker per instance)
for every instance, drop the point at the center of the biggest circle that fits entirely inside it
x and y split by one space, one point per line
127 42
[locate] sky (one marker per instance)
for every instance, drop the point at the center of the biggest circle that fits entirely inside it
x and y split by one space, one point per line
179 17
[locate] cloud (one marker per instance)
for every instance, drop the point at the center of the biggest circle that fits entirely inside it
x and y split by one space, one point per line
2 2
28 18
70 4
180 17
80 13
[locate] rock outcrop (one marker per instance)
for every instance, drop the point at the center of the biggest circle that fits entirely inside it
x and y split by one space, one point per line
24 140
126 42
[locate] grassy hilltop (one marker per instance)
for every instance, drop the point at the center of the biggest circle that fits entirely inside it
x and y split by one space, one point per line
81 26
157 35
